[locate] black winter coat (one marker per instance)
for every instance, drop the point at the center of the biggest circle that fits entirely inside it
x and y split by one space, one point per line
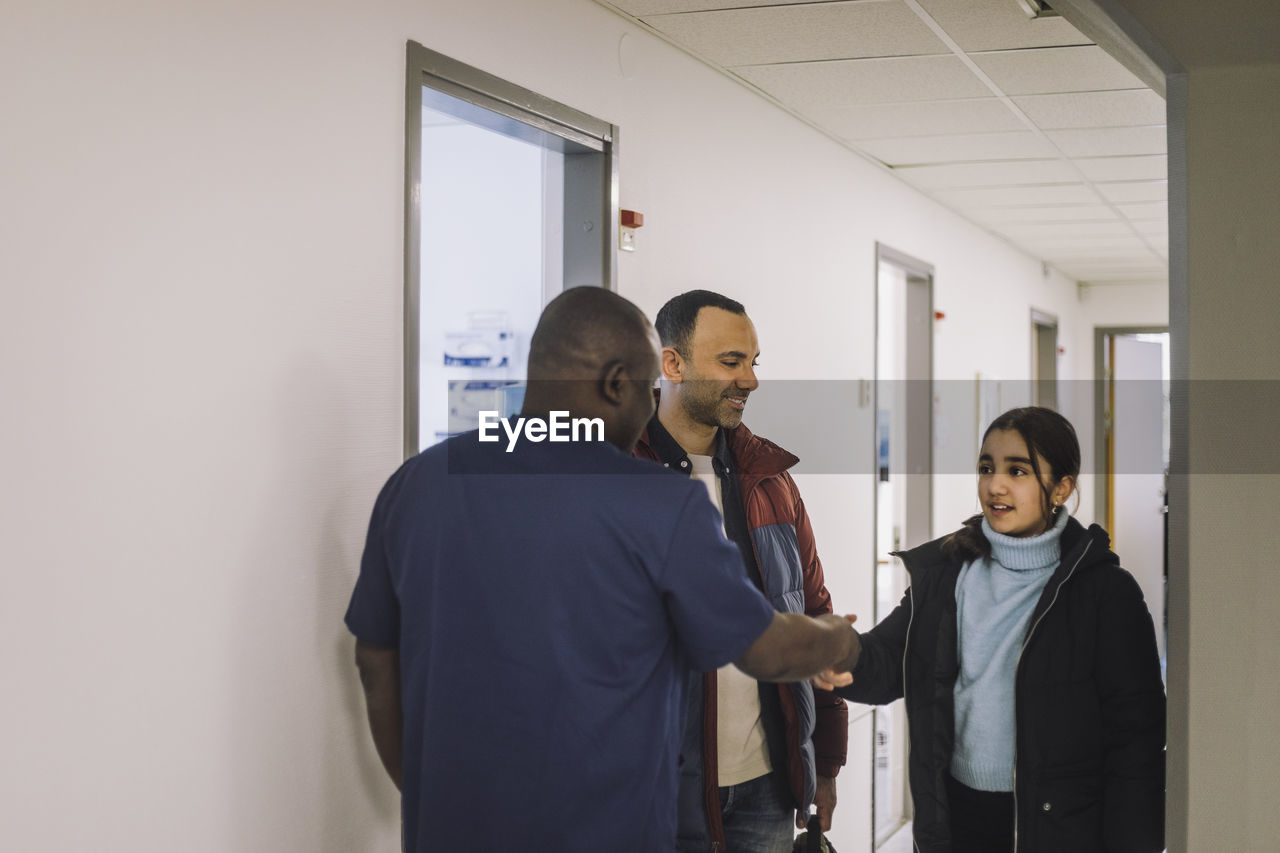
1090 703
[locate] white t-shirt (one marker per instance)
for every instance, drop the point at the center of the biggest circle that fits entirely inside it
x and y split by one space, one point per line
742 753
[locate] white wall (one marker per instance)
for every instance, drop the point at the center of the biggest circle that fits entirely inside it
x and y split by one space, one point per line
201 264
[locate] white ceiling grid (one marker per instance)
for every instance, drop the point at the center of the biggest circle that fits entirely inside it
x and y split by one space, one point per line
1022 126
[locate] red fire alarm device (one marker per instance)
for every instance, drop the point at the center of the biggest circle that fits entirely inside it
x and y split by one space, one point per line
630 221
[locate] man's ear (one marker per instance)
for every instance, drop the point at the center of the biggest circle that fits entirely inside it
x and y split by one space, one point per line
613 382
672 365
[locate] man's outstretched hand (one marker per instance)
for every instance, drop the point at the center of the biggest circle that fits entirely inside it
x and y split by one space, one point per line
830 679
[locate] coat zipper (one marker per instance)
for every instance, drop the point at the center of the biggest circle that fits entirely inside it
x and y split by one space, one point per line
1017 665
905 645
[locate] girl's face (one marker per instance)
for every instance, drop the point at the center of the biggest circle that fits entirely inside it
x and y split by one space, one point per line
1012 500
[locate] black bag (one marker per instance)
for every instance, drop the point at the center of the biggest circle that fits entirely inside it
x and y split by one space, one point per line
812 840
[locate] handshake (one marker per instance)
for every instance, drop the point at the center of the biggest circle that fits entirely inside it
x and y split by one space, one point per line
796 647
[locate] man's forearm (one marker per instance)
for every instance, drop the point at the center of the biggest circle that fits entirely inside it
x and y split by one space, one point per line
796 647
380 678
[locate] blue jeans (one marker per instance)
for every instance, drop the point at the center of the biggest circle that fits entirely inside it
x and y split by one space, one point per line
758 816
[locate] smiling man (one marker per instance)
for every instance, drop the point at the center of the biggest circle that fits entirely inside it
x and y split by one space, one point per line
755 754
527 618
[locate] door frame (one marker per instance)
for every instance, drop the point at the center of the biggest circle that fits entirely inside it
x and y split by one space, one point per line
526 115
918 270
915 269
1043 320
1102 390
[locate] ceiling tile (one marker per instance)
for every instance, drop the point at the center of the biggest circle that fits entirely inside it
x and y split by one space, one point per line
866 81
1110 254
1101 254
969 147
1144 210
1145 259
1087 270
802 33
1104 274
874 74
1060 258
1053 213
1124 168
1034 231
640 8
1007 174
1055 69
1128 191
1087 276
1049 244
1117 282
1120 108
999 25
1110 141
1018 196
923 118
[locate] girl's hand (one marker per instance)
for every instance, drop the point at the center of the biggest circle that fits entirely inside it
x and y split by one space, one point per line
829 679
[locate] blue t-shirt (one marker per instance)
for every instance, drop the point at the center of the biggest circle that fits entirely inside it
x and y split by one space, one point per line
548 605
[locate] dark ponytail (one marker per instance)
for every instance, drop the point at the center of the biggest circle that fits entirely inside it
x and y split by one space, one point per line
968 543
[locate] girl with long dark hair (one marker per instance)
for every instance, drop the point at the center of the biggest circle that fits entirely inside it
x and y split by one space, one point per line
1028 662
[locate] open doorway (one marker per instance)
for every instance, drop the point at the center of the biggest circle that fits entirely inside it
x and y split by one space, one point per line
1132 387
904 494
1044 358
510 198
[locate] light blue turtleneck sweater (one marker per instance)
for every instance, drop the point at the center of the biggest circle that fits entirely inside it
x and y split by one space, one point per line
994 601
